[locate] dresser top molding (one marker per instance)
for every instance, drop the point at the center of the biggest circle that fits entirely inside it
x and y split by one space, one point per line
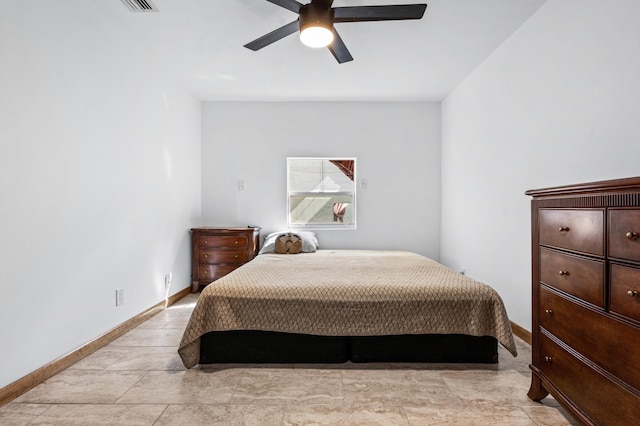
226 228
612 186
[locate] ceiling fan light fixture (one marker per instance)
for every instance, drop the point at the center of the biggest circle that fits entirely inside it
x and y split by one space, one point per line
316 25
316 36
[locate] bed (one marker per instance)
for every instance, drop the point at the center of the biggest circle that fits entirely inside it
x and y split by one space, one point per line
335 306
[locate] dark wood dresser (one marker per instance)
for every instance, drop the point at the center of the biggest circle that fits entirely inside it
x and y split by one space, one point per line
218 251
586 302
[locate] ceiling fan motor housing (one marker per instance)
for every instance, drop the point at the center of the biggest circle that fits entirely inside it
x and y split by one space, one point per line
316 15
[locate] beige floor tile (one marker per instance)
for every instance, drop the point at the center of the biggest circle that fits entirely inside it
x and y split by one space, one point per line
393 375
550 416
339 415
162 320
149 337
83 387
100 414
139 358
17 414
286 386
102 359
468 416
184 387
489 388
222 415
428 391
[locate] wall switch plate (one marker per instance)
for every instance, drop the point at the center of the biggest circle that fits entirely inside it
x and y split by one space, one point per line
119 296
167 281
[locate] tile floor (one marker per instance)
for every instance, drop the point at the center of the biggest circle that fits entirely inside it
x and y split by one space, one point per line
139 379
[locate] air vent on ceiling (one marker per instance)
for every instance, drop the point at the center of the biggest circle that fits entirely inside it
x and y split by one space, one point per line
140 5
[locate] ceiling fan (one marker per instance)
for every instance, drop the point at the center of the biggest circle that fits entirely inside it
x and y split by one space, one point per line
316 19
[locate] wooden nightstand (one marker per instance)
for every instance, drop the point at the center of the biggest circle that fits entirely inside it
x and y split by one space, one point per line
218 251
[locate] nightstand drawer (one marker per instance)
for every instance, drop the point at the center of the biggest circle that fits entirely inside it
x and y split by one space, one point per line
624 296
217 241
624 234
578 276
223 256
210 273
578 230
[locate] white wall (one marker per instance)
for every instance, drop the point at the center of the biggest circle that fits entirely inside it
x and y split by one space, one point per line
397 146
99 180
558 103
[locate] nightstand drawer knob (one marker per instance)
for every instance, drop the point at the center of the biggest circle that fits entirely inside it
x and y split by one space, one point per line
236 256
236 241
548 359
206 272
206 255
632 293
548 311
563 229
563 273
632 235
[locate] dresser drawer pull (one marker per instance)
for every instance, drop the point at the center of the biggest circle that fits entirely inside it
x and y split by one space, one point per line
206 272
563 273
632 293
548 359
632 235
563 229
206 255
236 241
236 256
548 312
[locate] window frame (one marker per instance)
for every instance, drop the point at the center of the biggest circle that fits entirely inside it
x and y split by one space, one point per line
322 226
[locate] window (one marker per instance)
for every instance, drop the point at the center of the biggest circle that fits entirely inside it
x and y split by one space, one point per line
321 193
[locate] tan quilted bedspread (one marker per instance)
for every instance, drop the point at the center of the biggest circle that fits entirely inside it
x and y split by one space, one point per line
347 293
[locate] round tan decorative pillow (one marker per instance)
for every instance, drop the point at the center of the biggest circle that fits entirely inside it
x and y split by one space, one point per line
288 244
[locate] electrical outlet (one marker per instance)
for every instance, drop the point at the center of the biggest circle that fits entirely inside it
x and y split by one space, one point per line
167 281
119 296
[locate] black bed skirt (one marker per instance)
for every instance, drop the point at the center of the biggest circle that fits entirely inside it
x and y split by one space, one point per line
277 348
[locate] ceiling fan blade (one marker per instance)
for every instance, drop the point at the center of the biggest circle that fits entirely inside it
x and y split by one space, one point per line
325 3
339 49
379 13
291 5
274 36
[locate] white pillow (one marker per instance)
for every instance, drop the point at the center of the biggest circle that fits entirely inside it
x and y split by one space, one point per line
309 241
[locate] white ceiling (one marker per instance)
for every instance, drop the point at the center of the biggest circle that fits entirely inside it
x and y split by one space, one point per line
421 60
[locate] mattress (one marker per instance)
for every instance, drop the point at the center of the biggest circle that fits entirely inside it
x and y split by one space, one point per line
347 293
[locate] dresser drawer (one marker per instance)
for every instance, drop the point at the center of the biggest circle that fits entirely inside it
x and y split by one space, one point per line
222 256
593 392
220 241
624 292
208 273
578 276
593 334
624 234
579 230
